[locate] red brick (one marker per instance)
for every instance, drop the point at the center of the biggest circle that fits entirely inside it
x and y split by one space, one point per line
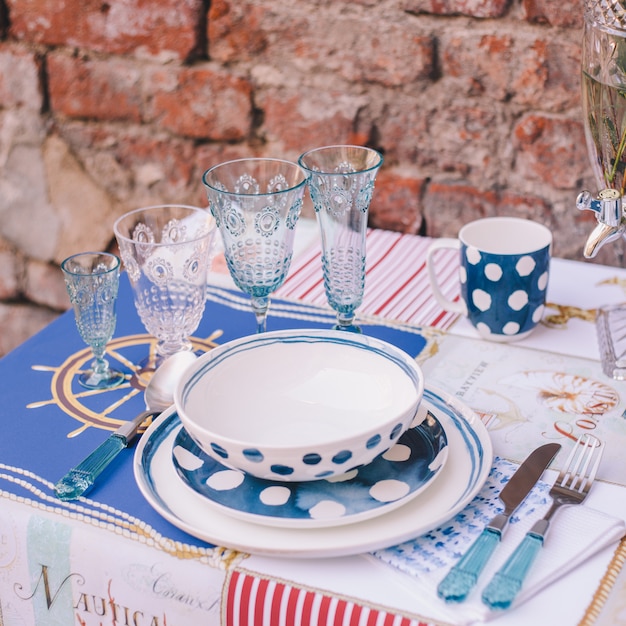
551 150
210 154
135 165
396 203
462 140
484 61
527 206
201 101
234 30
356 46
565 14
197 102
536 72
11 270
20 84
107 89
548 75
363 51
448 206
403 129
311 118
167 28
386 62
472 8
391 55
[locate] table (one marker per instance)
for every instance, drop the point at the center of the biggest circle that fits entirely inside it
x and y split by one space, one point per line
111 559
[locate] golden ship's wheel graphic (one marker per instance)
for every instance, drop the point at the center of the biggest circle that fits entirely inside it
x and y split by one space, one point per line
74 399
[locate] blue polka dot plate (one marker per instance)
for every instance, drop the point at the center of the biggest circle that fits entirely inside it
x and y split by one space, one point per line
458 482
389 481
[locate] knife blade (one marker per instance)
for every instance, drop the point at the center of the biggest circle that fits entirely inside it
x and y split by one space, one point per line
82 477
462 577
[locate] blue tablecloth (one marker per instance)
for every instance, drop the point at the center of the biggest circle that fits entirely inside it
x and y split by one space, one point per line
49 422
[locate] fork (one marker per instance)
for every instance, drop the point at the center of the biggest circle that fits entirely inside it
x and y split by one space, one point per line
571 487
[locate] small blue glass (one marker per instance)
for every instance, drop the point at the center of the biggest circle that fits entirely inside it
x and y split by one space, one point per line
92 280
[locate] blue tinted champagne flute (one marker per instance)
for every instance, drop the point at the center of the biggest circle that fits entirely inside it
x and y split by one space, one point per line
341 182
92 280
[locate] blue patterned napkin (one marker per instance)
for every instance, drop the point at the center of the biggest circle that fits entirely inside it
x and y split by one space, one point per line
576 533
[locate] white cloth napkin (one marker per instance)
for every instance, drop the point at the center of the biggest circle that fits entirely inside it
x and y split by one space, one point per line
575 534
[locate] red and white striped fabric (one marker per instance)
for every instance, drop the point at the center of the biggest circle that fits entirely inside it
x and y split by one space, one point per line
255 601
396 285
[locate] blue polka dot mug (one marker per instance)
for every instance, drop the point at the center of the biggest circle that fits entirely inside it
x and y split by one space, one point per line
504 267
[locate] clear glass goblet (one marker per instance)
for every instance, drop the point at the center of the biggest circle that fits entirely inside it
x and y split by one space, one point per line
341 182
166 250
92 280
256 203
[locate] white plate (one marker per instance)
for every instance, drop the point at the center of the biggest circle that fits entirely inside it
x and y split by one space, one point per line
389 481
468 465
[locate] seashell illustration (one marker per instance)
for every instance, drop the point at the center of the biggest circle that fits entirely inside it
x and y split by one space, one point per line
567 393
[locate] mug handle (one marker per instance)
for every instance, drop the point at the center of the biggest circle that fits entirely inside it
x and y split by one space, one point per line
445 303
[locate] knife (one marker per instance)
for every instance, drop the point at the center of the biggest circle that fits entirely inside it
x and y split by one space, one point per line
80 478
462 577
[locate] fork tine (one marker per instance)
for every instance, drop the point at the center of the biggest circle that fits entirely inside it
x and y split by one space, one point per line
598 449
567 472
580 471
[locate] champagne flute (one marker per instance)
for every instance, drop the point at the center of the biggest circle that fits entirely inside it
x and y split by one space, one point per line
341 181
92 280
256 203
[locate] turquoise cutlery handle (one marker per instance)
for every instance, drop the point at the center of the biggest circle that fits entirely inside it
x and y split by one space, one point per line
460 580
507 581
79 479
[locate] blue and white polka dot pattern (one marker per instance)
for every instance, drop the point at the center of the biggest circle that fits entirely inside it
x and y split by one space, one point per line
389 481
504 293
332 401
336 463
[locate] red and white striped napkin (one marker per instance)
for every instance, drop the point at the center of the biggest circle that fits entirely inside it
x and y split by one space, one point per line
396 285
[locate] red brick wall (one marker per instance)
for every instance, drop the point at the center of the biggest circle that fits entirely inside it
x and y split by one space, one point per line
475 104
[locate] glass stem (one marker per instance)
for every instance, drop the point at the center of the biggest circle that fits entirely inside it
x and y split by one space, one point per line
100 367
260 306
165 348
345 320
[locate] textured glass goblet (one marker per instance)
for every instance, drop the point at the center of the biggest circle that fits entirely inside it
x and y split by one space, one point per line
166 250
92 280
341 182
256 204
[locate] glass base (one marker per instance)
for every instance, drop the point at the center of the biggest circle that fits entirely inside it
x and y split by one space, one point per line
345 317
351 328
611 331
93 380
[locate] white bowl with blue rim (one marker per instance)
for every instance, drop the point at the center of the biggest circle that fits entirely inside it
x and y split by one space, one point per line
299 405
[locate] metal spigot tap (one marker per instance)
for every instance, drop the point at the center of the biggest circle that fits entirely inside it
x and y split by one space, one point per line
611 223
